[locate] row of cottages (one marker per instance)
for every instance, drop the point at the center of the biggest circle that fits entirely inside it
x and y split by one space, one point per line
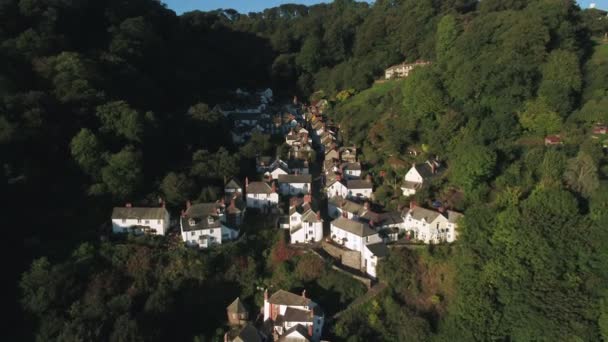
359 236
430 226
292 185
304 224
204 225
261 195
140 220
292 317
402 70
268 167
418 174
387 224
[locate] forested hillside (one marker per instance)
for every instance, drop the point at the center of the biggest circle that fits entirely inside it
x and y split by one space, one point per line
109 101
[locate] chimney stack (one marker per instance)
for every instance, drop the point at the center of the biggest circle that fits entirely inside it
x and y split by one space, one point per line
246 182
183 213
307 199
318 215
265 294
128 205
412 205
188 204
310 330
304 293
366 205
274 187
369 177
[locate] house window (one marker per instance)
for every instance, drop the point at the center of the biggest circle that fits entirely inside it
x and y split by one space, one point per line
210 220
124 220
147 221
293 218
310 224
158 221
211 231
138 220
192 233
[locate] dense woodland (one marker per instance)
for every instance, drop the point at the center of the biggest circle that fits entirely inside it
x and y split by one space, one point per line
104 102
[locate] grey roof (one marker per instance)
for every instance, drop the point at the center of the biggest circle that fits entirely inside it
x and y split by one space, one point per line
358 184
157 213
311 216
236 306
410 185
248 334
391 217
233 184
424 170
302 330
419 213
297 315
201 213
357 228
352 166
295 179
259 188
378 249
283 297
453 216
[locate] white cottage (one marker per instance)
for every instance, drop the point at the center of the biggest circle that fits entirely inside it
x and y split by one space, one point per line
355 236
359 188
203 225
336 187
292 316
430 226
140 220
417 175
351 170
295 184
261 195
305 225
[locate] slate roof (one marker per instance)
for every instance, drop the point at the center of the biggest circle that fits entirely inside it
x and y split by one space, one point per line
157 213
410 185
354 227
233 184
352 166
259 188
248 334
419 213
297 315
236 306
378 249
302 330
295 179
424 170
200 213
358 184
282 297
391 217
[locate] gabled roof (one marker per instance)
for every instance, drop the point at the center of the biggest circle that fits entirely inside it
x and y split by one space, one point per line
138 213
359 184
419 213
357 228
296 333
378 249
295 179
297 315
391 217
259 188
201 214
282 297
248 334
424 170
233 184
236 306
352 166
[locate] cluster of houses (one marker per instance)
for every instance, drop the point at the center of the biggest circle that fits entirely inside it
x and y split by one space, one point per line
286 317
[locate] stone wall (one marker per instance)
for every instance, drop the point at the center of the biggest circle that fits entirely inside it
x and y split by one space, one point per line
348 258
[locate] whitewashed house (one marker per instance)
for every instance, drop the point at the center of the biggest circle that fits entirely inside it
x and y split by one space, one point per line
359 188
336 187
403 69
292 317
295 184
417 175
340 206
305 225
203 225
140 220
355 236
430 226
278 171
351 170
261 195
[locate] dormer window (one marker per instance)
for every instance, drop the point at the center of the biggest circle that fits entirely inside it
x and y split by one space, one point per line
210 220
192 221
